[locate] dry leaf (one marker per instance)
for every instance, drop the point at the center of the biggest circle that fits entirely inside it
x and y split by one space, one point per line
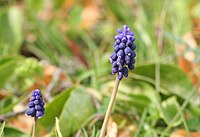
125 126
48 73
183 133
111 128
196 29
22 122
186 59
90 15
3 94
67 4
127 131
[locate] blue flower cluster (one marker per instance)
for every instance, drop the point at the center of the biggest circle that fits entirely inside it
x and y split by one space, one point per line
36 105
124 52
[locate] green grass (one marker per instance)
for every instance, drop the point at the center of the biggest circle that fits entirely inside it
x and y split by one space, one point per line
155 98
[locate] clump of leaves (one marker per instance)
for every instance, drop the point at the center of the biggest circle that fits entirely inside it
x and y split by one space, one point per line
26 72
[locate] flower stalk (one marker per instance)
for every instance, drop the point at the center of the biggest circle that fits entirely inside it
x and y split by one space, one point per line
110 107
35 127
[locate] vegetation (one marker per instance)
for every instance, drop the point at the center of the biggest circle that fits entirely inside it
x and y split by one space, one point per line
62 47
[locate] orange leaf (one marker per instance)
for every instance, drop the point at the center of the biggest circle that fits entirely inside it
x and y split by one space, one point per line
183 133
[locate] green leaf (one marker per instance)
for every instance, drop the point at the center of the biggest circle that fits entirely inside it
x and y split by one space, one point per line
98 133
15 21
170 112
173 80
10 102
53 109
150 133
11 33
12 132
6 36
57 128
139 101
120 10
93 131
58 4
137 96
195 110
2 128
5 103
182 17
85 132
196 10
7 66
37 5
76 112
192 121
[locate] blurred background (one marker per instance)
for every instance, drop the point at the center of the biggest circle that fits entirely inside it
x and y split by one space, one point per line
62 47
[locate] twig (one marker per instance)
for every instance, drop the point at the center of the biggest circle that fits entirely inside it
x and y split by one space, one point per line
51 85
11 114
110 106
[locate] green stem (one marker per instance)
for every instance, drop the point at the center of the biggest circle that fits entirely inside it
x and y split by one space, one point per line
140 126
34 127
109 109
183 119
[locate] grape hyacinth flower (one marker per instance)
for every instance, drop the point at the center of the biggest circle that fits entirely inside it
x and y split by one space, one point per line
122 60
124 54
35 108
36 105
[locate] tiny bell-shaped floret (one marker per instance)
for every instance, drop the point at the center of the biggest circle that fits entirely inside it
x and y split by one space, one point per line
122 45
120 53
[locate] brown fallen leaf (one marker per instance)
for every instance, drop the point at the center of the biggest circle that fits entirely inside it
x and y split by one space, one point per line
125 126
188 67
111 128
22 122
186 58
67 4
127 131
196 29
47 76
90 15
183 133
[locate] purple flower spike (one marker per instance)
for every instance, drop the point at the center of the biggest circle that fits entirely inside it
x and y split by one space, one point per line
36 105
123 58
